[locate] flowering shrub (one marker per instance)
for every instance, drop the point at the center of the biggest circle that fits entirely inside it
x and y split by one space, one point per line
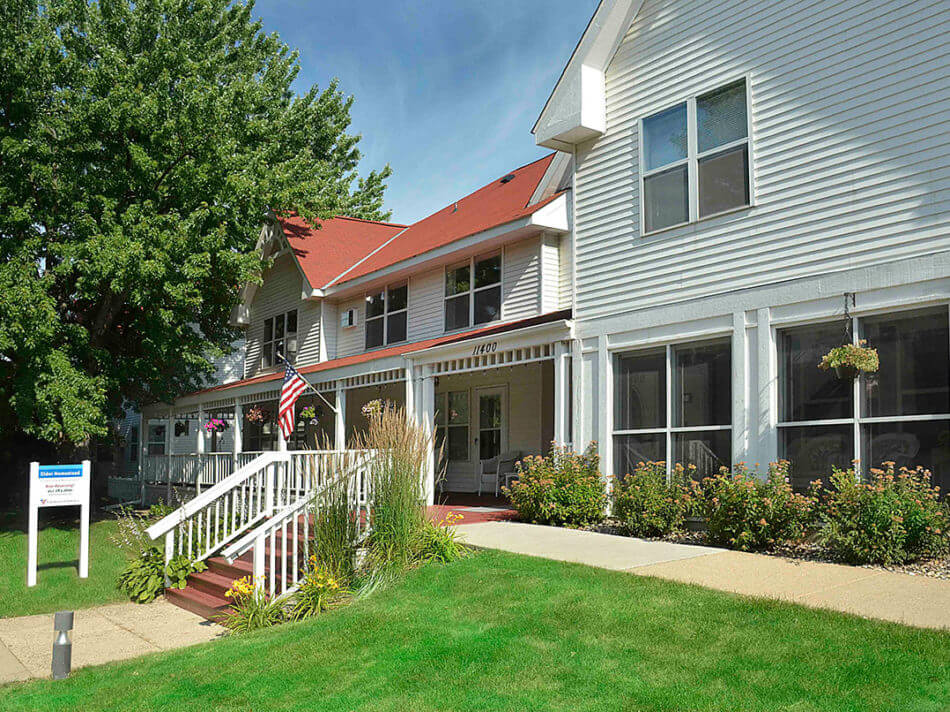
896 517
647 504
439 541
318 590
251 607
564 488
746 512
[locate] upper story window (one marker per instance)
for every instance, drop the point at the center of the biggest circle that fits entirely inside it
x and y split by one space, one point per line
695 159
386 316
471 300
280 337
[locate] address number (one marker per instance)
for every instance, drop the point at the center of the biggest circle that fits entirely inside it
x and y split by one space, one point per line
487 348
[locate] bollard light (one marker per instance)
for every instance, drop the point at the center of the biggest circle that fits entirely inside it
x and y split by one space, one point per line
62 646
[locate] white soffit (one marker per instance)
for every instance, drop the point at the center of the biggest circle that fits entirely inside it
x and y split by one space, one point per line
576 111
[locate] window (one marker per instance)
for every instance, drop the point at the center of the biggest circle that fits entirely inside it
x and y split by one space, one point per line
156 439
133 444
674 405
386 316
471 301
901 414
452 423
280 337
695 159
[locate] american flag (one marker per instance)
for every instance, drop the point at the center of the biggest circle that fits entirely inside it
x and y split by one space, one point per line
294 385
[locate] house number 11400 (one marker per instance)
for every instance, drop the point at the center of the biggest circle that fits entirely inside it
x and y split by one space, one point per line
488 348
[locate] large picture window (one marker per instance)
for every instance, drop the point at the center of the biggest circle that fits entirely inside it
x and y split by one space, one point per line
674 405
386 312
280 337
473 292
900 414
695 159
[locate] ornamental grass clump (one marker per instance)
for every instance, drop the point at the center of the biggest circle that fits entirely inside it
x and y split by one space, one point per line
335 530
747 512
648 503
564 488
401 450
895 517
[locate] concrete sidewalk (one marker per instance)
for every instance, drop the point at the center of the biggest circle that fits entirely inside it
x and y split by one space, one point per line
872 593
100 635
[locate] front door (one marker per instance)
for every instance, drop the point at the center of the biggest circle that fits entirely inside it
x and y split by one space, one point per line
491 436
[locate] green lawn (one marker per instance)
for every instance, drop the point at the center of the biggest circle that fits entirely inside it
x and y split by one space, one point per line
58 585
504 632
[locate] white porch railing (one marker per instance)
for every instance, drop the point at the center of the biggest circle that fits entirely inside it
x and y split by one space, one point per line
280 545
199 470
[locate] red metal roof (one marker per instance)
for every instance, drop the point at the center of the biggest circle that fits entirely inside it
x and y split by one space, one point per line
495 204
401 349
339 243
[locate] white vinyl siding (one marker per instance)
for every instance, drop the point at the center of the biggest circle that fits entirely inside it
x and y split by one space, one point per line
331 326
848 104
565 288
351 340
278 293
550 274
308 333
521 280
426 304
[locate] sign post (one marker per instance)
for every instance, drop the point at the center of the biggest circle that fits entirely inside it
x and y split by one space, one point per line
59 486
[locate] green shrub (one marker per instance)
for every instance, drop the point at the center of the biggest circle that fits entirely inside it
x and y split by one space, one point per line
439 541
251 608
894 518
647 503
744 511
143 578
179 568
564 488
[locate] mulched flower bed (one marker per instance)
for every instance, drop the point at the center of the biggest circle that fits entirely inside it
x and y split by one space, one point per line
934 568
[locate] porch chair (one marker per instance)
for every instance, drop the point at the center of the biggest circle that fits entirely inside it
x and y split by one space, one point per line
498 467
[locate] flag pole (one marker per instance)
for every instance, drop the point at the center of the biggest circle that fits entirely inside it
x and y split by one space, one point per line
309 385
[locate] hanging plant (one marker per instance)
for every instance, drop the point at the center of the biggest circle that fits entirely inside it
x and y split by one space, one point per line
311 414
848 360
256 414
215 425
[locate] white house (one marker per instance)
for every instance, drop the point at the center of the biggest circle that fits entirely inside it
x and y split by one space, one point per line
731 182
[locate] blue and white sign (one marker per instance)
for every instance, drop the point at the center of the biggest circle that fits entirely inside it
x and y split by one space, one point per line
59 486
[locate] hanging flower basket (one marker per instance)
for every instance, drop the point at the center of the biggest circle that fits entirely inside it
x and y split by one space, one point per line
215 425
848 360
311 414
256 414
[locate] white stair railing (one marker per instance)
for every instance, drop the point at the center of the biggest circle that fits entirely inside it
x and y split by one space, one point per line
270 482
281 545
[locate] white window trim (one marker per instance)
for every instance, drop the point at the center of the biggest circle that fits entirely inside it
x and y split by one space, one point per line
268 346
693 157
472 289
668 428
384 317
857 419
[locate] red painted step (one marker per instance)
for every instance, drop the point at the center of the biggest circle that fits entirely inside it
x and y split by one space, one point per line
204 604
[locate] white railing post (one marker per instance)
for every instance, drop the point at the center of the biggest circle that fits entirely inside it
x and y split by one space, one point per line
270 481
260 544
169 553
237 443
200 443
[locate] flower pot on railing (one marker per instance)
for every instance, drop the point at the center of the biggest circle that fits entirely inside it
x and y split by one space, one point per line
850 360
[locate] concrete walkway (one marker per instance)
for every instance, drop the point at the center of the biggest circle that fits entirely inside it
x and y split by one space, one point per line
913 600
100 635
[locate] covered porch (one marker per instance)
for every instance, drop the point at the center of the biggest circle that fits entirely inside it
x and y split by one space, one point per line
490 398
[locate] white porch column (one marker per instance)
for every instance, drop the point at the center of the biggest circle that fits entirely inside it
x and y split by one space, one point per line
200 448
169 434
766 450
339 420
427 414
740 389
143 452
560 394
604 408
410 395
236 443
582 399
281 440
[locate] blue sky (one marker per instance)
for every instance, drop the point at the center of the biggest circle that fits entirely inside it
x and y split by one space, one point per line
446 92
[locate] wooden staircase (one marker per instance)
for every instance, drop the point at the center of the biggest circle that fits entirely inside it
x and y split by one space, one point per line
204 593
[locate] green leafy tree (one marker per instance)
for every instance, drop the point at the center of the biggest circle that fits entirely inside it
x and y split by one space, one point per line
142 144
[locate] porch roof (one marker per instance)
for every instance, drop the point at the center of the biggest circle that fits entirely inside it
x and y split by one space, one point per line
402 349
